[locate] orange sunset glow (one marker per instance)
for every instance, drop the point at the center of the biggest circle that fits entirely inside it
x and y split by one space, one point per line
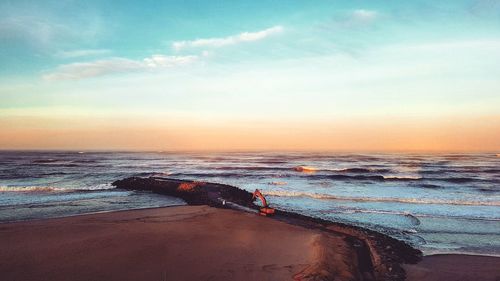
390 134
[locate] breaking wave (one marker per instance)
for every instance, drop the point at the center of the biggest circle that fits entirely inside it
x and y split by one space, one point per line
251 168
27 188
158 174
381 199
374 177
277 183
304 169
354 170
53 188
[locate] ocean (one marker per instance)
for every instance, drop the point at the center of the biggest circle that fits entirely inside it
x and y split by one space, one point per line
439 203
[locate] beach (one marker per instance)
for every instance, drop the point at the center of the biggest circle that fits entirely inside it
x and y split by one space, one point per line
198 243
455 267
173 243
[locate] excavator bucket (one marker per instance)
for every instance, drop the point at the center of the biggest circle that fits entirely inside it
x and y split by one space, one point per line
265 210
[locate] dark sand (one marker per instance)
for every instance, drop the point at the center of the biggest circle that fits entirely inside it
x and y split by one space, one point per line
199 243
174 243
455 268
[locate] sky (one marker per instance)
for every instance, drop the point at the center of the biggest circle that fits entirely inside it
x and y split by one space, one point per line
250 75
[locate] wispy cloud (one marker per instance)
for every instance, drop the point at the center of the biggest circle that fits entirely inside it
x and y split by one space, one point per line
82 70
82 53
116 65
156 61
230 40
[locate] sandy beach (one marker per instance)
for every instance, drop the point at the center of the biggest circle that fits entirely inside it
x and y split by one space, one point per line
174 243
198 243
455 268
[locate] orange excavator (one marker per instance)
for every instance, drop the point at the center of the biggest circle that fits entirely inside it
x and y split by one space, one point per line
265 210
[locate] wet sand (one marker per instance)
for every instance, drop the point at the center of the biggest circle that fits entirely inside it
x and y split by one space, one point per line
455 268
199 243
173 243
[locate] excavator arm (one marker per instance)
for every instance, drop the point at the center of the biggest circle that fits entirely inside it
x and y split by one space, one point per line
265 210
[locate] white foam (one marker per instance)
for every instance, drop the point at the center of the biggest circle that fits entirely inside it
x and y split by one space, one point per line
161 174
278 183
402 177
380 199
304 169
53 188
27 188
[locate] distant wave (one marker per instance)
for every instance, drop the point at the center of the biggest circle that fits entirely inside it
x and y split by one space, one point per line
461 169
354 170
305 169
374 177
45 161
53 188
278 183
64 162
251 168
491 189
159 174
272 161
428 185
455 179
58 173
348 174
403 178
210 175
381 199
493 171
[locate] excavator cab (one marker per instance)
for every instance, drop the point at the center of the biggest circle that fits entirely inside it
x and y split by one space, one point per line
265 210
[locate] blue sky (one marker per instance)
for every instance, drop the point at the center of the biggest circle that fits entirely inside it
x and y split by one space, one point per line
37 35
321 61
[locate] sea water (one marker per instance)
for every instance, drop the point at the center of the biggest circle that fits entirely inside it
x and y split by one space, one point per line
440 203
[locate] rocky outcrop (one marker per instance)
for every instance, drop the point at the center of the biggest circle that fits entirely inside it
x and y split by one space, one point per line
193 192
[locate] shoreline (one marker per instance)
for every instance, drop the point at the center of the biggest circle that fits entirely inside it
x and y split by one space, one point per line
85 214
424 254
365 254
173 243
